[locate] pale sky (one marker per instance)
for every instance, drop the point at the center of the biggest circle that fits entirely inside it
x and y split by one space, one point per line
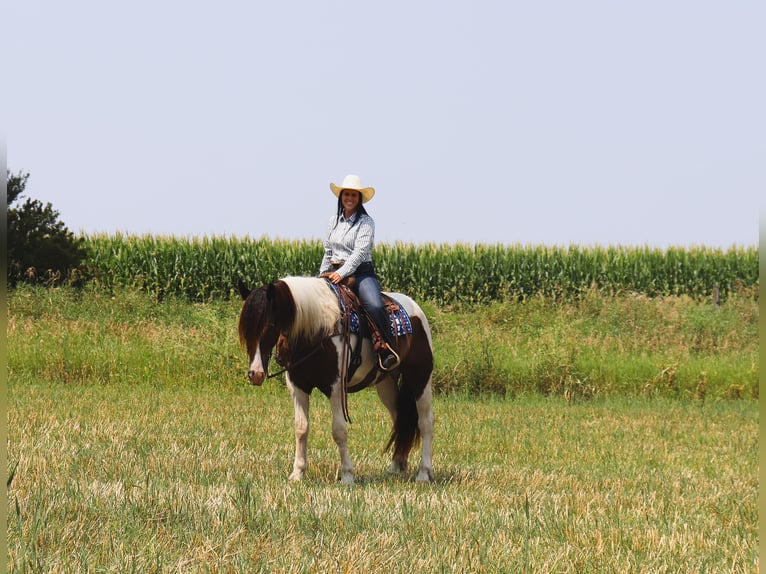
558 123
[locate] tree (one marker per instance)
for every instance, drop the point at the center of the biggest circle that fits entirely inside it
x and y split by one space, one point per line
40 247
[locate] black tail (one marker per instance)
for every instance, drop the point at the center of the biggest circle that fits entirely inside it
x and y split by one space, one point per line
406 432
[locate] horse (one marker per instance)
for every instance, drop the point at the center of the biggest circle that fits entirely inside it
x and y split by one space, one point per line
302 318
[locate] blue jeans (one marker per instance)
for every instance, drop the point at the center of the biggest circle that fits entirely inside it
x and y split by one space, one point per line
368 289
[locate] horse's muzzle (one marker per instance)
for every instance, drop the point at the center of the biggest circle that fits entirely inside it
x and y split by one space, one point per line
256 377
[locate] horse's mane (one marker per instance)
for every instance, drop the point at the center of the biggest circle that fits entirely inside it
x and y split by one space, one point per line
315 314
253 317
316 307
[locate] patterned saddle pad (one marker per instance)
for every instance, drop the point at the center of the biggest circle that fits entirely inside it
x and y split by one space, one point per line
398 317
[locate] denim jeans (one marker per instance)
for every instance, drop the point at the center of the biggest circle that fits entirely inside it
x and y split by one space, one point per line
368 289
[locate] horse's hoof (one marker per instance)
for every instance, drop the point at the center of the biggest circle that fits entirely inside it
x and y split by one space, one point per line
347 478
425 475
295 476
397 468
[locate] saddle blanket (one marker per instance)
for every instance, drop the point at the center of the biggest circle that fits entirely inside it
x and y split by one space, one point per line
398 317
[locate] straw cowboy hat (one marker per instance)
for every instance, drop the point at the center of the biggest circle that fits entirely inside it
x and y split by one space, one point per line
353 182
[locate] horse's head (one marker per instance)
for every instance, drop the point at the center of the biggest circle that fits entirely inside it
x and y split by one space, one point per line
265 314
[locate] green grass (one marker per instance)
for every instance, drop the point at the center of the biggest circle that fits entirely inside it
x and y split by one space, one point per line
596 436
596 346
599 346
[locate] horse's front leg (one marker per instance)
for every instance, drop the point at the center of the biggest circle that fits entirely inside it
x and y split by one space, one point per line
301 406
340 433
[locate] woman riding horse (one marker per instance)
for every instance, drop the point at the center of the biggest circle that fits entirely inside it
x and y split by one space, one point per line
348 252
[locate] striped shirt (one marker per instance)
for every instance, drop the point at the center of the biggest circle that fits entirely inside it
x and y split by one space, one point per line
346 243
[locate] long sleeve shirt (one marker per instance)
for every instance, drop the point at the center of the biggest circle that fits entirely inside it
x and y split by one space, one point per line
351 244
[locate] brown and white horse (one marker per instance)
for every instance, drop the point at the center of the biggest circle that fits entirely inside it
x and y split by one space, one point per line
301 316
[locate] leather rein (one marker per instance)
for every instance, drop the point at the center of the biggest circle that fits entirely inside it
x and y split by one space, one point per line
299 361
350 359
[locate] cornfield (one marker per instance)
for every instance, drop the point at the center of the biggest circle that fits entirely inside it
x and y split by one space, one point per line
206 268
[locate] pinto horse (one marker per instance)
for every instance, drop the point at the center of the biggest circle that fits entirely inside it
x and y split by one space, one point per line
301 317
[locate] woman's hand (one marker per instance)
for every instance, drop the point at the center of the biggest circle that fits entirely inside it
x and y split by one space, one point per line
334 278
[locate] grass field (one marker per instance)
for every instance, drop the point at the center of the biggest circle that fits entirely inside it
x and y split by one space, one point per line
144 479
136 446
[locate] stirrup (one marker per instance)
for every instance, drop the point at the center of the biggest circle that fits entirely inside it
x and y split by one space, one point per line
396 357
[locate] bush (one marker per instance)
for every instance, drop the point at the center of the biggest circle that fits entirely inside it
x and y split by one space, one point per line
40 247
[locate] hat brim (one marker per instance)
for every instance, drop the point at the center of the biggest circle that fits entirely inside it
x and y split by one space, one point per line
366 192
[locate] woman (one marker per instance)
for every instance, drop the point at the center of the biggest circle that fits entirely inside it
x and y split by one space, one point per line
348 251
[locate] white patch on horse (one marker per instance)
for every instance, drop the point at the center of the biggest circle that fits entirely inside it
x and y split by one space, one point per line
316 307
257 369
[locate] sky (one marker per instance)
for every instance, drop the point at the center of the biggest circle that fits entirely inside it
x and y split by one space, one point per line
553 122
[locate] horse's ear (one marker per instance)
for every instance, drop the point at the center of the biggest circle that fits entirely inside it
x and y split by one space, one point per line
243 290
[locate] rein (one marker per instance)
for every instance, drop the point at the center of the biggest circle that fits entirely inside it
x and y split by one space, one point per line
350 358
312 352
302 359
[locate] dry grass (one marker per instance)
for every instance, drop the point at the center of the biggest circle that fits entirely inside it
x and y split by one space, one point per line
170 480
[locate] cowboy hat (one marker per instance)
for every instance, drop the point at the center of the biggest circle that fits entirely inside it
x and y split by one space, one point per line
353 182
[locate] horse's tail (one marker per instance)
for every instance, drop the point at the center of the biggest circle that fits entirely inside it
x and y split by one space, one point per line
406 432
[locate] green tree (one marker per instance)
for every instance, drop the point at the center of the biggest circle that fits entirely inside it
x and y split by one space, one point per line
40 247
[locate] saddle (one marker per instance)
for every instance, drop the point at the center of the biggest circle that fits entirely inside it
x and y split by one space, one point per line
351 313
351 310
